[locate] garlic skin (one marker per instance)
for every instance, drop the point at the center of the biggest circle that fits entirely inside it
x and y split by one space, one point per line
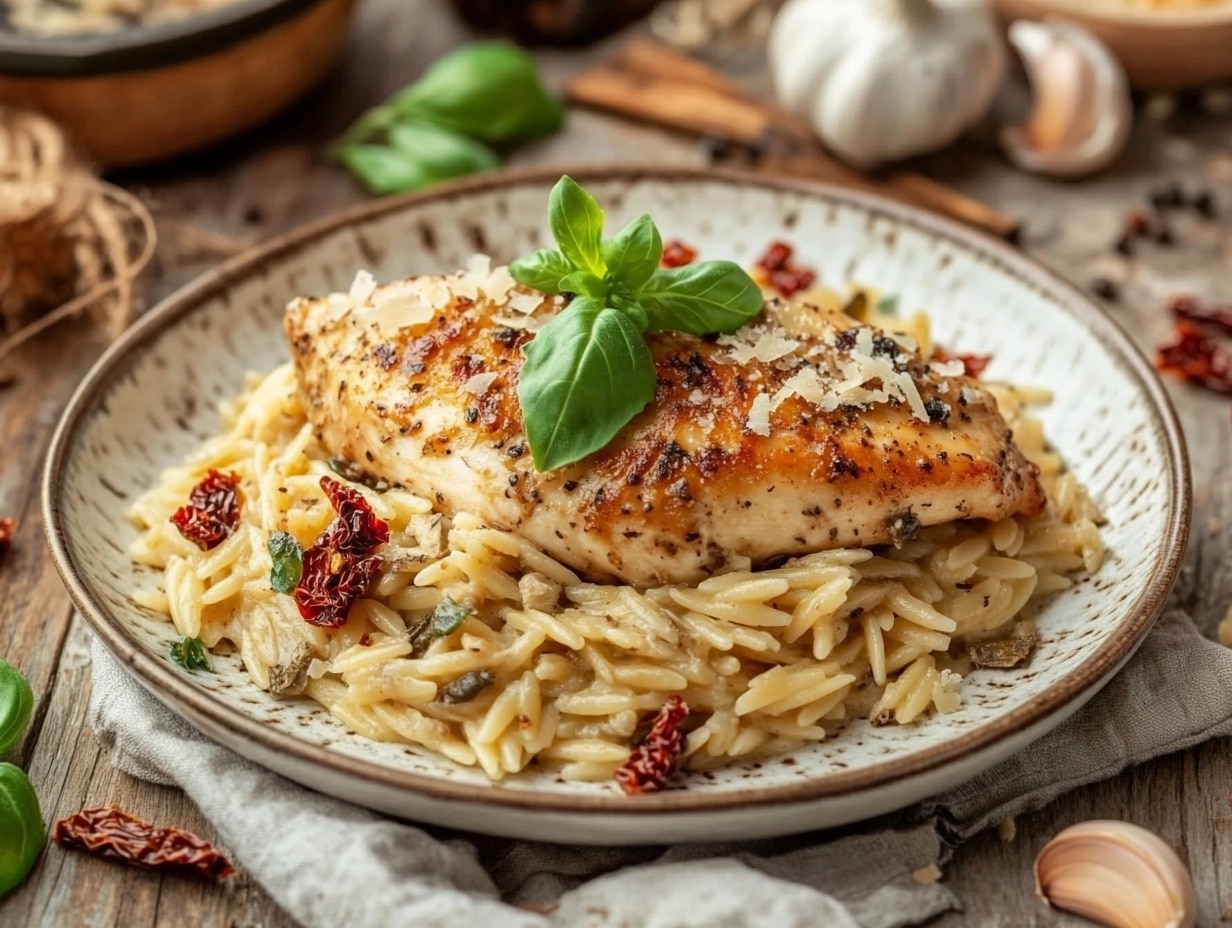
1116 874
881 80
1082 115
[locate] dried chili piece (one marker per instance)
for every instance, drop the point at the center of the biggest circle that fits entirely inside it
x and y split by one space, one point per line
1193 309
656 756
112 832
1195 356
677 254
973 364
213 510
776 269
7 528
342 563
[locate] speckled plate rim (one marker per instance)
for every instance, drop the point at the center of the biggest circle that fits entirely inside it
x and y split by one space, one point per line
161 678
140 47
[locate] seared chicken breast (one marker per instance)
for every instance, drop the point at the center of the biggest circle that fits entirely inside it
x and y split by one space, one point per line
804 431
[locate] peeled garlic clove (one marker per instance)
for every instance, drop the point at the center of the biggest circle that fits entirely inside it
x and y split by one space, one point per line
1117 874
1082 113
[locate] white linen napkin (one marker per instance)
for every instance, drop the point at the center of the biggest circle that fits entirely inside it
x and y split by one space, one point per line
1172 695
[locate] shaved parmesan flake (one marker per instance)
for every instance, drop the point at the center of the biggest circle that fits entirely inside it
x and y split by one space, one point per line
759 416
525 303
954 368
480 383
479 265
362 287
526 323
807 384
769 346
498 284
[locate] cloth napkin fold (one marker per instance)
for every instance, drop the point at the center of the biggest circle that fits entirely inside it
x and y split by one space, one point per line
1172 695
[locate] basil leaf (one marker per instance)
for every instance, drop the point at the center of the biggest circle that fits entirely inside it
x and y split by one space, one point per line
577 223
21 824
713 296
621 300
487 90
288 562
467 686
16 706
584 283
189 653
542 270
384 170
587 373
888 305
441 153
446 619
634 254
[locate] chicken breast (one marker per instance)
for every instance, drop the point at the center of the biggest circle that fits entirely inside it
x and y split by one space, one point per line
803 432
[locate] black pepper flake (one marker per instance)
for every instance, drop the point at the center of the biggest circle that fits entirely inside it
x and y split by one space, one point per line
1105 289
513 480
884 346
472 414
845 340
569 486
1124 246
937 410
516 450
904 527
1203 204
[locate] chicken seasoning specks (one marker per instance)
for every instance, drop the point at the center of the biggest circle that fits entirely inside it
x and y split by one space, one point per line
741 429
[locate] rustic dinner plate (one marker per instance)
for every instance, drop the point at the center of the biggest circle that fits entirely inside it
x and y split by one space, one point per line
151 400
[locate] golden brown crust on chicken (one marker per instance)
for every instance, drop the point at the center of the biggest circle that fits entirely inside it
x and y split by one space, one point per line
762 444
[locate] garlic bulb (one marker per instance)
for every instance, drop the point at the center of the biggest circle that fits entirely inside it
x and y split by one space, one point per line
1116 874
881 80
1082 113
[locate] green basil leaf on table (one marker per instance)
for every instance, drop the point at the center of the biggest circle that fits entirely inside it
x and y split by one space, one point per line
713 296
467 686
633 255
577 224
287 556
16 705
22 833
190 654
587 373
442 153
542 270
487 90
384 170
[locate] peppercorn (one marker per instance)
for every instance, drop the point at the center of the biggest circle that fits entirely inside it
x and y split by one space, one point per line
1203 204
1161 232
1124 246
717 149
1105 289
1168 197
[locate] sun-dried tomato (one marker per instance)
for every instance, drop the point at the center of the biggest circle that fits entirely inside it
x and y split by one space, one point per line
677 254
1216 315
342 563
7 527
112 832
776 269
213 510
973 364
656 756
1195 356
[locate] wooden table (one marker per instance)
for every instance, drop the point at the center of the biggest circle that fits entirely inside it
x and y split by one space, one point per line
275 180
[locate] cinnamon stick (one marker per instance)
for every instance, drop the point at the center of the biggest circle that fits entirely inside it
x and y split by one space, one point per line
655 84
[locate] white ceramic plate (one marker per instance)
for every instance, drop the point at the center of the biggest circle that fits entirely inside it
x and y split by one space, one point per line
152 399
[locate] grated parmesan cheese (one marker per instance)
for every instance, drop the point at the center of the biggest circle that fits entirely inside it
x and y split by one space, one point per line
362 287
759 416
480 383
525 303
954 368
768 346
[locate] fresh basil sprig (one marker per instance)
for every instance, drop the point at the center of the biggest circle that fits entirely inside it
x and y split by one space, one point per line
189 653
286 560
451 122
589 371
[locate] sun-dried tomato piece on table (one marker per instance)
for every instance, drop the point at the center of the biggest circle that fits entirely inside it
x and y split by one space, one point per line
656 756
1191 308
213 510
7 528
112 832
1195 356
342 563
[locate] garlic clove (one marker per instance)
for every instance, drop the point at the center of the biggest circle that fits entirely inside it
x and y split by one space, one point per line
1117 874
1082 113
